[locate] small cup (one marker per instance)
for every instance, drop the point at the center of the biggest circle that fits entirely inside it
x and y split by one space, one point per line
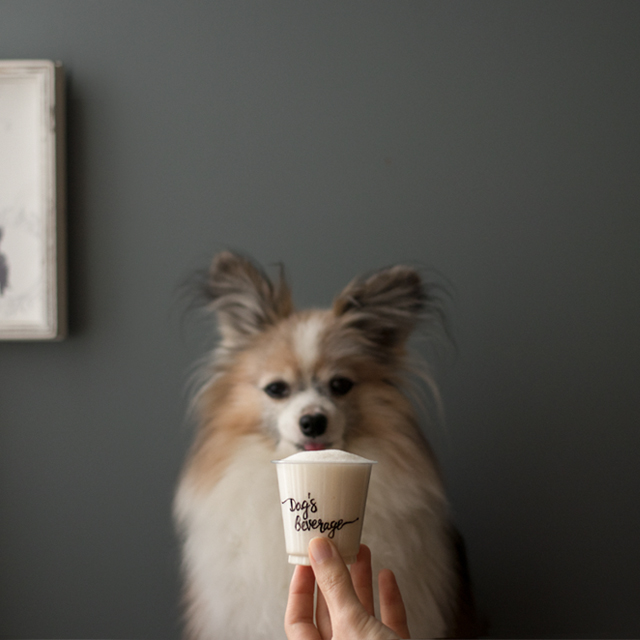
323 493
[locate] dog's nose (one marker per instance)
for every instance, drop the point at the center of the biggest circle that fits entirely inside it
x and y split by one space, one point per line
313 424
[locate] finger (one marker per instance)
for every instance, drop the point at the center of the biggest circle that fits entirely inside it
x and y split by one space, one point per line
298 617
334 581
323 619
392 610
362 580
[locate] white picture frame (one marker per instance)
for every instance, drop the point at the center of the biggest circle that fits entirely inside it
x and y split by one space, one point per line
32 201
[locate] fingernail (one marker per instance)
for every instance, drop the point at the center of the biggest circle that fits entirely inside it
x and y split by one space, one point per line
320 549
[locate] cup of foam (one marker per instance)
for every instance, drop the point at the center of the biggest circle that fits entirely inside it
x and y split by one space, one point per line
323 493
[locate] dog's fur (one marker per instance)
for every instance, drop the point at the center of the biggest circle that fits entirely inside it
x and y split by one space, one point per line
227 504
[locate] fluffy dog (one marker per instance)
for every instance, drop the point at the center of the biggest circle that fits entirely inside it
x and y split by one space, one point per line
281 381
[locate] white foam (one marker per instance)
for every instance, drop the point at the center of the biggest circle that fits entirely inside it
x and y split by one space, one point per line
326 455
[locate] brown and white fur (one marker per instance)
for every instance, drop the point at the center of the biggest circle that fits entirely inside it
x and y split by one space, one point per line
273 366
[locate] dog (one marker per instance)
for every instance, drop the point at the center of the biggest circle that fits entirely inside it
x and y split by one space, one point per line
282 381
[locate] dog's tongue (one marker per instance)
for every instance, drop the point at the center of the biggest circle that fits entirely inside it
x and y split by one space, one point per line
314 446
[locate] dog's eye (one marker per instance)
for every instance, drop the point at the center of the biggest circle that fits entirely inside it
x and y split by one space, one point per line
278 389
340 386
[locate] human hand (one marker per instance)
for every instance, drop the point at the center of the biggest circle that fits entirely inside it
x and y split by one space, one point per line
345 601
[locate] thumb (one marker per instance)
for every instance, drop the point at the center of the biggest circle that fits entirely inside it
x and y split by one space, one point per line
334 580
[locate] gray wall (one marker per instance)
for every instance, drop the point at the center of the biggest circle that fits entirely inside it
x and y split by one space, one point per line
496 142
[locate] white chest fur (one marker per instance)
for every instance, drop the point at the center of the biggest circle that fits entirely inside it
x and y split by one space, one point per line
235 560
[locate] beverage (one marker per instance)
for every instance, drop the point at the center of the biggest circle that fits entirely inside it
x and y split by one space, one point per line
323 493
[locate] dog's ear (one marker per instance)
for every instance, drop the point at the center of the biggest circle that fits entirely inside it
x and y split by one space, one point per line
385 307
245 299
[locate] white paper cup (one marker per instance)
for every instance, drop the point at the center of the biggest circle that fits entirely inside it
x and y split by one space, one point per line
323 493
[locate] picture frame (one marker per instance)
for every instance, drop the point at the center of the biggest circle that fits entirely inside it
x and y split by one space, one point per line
32 201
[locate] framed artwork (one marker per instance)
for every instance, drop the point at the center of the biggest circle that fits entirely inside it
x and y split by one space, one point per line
32 233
